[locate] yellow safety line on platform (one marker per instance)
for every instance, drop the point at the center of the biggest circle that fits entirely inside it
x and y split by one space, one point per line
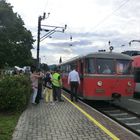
93 120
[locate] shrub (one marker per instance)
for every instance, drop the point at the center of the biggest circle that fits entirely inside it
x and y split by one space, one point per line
14 92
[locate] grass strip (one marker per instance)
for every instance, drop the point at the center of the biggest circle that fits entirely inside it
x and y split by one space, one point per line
8 123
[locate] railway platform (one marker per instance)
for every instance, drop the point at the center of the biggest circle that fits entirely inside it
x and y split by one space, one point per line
67 121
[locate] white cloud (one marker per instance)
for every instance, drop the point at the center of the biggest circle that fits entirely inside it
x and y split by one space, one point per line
90 22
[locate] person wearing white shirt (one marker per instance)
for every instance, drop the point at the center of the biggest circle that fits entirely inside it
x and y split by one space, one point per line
74 82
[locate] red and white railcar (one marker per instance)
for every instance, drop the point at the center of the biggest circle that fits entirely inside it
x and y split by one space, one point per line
95 83
136 66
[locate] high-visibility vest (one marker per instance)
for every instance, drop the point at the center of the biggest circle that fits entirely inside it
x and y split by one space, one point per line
55 80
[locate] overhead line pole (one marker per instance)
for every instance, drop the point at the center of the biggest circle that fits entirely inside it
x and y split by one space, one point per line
40 18
38 39
51 30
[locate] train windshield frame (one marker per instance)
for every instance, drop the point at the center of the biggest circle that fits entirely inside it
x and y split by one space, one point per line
90 65
108 66
105 66
124 67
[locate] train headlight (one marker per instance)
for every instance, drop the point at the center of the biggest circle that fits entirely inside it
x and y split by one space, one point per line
100 83
129 83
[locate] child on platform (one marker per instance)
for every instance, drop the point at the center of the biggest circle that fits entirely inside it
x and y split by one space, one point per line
48 88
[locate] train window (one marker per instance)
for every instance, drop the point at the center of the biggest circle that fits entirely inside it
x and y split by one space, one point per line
124 67
72 65
67 68
105 66
90 67
62 68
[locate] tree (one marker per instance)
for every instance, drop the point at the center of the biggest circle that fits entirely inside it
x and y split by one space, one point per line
44 67
16 41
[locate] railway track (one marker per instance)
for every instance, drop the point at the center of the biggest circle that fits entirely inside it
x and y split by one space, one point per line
126 118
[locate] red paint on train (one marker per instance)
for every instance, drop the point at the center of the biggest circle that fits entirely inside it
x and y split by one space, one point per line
136 69
97 85
136 61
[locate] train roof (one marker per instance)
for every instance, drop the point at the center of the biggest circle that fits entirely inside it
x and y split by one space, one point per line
108 55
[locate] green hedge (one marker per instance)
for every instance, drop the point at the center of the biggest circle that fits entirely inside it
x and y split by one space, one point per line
14 92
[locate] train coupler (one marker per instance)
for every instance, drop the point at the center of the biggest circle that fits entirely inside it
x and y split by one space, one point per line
116 96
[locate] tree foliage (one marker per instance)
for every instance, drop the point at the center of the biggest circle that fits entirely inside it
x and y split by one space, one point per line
44 67
16 41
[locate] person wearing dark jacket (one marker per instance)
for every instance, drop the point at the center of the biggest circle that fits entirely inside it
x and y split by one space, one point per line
48 88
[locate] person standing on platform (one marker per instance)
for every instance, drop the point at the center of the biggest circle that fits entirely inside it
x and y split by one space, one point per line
40 83
34 80
74 82
56 85
48 88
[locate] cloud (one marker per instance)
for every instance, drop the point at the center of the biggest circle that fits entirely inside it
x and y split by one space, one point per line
91 23
71 44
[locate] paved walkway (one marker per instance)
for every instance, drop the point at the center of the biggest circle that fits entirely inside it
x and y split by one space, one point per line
61 121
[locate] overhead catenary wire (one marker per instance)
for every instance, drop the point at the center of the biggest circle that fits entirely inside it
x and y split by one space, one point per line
108 16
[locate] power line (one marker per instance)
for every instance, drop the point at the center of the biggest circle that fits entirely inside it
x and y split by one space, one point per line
104 19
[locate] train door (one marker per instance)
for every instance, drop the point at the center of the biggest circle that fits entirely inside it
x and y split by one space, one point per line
136 66
137 81
80 66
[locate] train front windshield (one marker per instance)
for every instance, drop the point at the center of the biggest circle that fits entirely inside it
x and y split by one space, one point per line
124 67
105 66
109 66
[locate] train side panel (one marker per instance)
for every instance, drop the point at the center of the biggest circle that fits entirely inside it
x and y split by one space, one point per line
111 88
97 85
65 81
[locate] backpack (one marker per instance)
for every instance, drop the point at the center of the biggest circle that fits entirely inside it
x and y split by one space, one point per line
47 78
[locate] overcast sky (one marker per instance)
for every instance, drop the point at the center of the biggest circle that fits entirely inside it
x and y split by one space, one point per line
91 23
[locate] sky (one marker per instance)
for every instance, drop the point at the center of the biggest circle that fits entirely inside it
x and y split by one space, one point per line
91 24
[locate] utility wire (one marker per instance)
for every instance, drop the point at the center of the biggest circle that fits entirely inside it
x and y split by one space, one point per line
104 19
